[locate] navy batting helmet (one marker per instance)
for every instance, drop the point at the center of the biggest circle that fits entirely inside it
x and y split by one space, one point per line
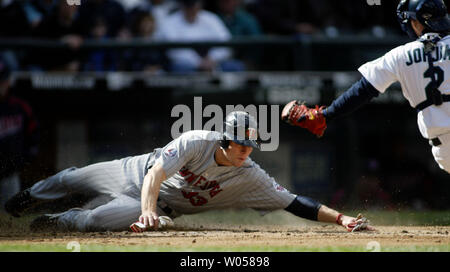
432 14
241 128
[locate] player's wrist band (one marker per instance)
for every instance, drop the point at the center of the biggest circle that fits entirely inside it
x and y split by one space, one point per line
338 219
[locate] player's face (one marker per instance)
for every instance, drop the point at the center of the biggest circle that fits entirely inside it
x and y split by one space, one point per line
236 154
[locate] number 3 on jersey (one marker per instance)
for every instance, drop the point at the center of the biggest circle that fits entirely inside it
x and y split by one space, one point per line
194 198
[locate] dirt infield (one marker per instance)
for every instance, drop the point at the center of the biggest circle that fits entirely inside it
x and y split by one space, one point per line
251 236
245 231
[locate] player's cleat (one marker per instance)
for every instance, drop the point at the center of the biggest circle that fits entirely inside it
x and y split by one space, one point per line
46 222
164 223
20 202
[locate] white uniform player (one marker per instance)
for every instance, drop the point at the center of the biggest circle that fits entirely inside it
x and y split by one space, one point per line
408 64
423 69
200 173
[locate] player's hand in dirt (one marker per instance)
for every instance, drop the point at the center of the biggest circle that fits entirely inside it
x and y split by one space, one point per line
352 224
150 220
165 222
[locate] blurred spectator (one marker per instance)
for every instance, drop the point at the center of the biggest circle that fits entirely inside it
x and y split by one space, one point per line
332 18
142 7
353 17
289 17
15 20
43 6
161 9
34 16
18 136
382 20
100 59
238 21
111 11
63 24
192 23
129 5
61 21
357 17
142 26
38 10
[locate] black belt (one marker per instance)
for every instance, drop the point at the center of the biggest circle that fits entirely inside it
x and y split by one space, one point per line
163 206
429 102
435 142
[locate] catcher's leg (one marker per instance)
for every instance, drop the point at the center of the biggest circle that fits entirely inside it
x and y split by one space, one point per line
441 155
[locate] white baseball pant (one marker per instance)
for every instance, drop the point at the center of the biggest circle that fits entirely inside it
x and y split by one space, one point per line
441 154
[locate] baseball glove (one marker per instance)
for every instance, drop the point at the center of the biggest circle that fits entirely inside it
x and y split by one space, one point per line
300 115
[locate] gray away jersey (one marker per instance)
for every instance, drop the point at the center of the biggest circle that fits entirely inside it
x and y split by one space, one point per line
196 183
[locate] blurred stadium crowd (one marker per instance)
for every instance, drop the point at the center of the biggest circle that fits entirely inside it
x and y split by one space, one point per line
177 21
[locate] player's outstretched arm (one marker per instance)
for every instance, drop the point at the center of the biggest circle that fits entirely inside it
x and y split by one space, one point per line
328 215
308 208
315 119
359 94
149 196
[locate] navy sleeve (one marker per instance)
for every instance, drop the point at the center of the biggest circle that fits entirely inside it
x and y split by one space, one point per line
357 95
304 207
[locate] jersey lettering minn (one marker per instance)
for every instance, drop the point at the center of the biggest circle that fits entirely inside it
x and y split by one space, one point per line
202 183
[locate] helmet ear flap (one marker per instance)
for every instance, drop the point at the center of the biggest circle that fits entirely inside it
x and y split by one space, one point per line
224 143
241 128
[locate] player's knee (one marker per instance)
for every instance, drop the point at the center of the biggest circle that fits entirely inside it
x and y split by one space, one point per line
93 222
99 221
